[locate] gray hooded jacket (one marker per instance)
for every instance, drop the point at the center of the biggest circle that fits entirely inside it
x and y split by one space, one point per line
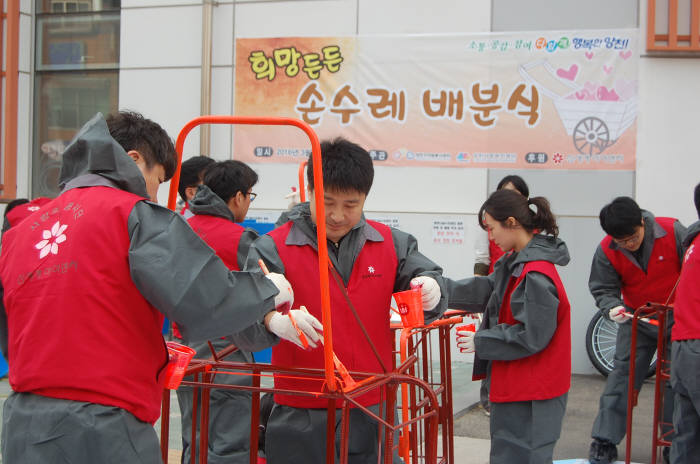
206 202
534 303
169 264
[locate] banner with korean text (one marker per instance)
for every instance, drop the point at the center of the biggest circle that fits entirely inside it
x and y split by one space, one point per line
550 100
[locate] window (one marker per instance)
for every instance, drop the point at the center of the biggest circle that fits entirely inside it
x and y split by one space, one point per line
673 26
77 75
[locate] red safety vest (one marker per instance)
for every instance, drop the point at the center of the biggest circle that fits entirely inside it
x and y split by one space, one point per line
686 311
79 329
654 285
543 375
222 235
370 287
495 253
18 213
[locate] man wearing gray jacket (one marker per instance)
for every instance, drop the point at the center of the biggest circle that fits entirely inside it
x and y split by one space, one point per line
86 281
639 261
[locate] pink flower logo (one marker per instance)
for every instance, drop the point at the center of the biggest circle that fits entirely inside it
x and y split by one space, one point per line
51 239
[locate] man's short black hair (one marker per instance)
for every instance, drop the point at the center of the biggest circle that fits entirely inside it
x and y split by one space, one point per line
346 167
134 132
697 199
621 217
192 172
226 178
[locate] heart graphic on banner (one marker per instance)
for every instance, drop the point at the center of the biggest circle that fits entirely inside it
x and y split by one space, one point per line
625 55
607 95
570 74
607 69
589 55
625 89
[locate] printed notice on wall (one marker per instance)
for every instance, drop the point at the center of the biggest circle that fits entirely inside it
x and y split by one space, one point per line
448 231
390 221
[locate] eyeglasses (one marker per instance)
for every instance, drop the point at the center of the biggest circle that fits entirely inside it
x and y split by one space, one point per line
252 196
631 240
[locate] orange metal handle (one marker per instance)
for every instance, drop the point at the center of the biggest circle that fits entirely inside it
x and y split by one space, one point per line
302 190
320 210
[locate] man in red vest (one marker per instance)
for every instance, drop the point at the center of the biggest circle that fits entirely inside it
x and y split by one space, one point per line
639 261
18 209
86 281
191 175
371 261
221 202
685 357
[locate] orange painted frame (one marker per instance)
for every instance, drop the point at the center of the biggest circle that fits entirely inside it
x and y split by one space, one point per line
320 211
11 75
673 39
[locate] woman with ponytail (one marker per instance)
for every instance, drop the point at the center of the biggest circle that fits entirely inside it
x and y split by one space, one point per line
524 342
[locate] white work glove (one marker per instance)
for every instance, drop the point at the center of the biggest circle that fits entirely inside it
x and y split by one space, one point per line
619 314
285 298
430 291
465 341
281 325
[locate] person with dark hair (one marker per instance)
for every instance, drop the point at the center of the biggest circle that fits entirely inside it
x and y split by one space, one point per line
526 328
514 182
639 261
486 253
19 209
370 261
685 351
191 176
86 282
220 202
21 213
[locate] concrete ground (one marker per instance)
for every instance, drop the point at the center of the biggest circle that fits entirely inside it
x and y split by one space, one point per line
472 426
575 438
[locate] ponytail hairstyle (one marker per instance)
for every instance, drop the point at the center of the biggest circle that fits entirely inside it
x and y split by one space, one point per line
533 214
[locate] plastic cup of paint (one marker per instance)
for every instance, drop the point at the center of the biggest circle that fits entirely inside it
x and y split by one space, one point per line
465 328
180 357
410 307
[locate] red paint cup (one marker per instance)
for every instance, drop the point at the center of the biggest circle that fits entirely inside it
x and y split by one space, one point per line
410 307
180 357
465 328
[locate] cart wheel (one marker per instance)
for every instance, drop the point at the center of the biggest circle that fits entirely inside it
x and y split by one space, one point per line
601 338
591 136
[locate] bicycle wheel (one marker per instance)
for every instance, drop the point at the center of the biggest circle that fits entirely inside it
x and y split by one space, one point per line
601 338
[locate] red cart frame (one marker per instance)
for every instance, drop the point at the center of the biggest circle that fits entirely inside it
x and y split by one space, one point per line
421 413
659 438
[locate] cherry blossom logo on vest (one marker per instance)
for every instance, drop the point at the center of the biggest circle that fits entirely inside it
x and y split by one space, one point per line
51 239
371 271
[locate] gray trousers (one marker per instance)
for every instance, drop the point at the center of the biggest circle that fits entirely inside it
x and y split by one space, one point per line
229 414
525 432
38 429
611 422
685 380
298 436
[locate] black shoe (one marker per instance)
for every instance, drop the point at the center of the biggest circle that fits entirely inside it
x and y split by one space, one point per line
602 452
666 454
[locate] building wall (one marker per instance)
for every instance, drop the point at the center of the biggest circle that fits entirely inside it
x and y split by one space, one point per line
160 76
